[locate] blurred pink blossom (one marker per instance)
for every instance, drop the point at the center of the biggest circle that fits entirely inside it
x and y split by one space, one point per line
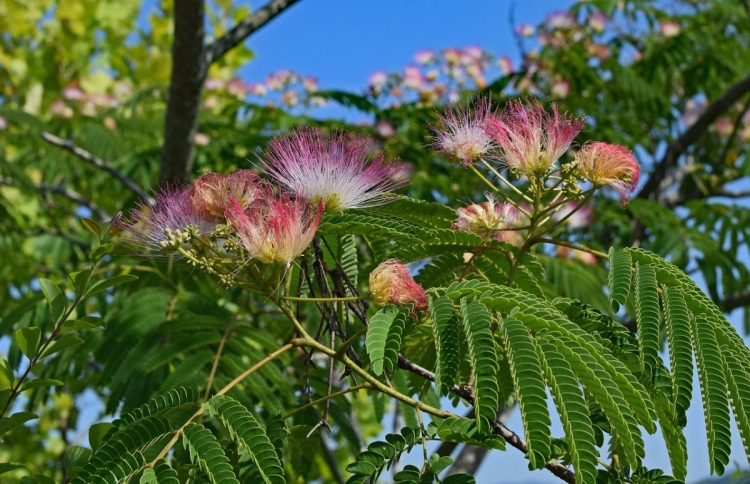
670 28
451 55
258 89
424 57
290 98
202 139
598 21
310 84
378 79
505 64
3 123
384 129
109 123
600 51
560 89
560 20
60 109
212 84
412 77
724 126
471 54
580 219
525 30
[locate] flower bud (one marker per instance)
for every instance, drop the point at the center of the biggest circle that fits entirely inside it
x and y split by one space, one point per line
391 283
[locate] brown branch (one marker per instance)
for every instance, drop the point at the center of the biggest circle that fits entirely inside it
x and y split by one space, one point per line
497 428
694 132
97 163
735 301
188 73
191 59
67 193
244 29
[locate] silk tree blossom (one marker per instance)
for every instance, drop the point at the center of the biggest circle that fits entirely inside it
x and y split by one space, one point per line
391 283
462 135
532 139
578 220
167 225
607 164
210 194
487 217
277 229
335 169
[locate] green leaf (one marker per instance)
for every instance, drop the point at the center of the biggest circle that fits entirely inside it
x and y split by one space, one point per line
100 286
571 407
161 473
476 321
63 343
9 423
647 312
438 464
92 227
97 433
459 479
464 430
10 466
250 436
75 458
713 393
27 340
79 280
680 348
87 322
55 298
739 390
101 251
620 277
206 451
377 335
446 329
40 382
528 379
7 378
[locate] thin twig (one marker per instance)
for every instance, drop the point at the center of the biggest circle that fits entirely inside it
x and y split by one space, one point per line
245 28
98 163
691 135
211 376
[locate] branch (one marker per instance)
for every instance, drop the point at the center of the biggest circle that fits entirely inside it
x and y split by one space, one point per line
188 73
244 29
471 457
694 132
67 193
736 300
97 163
497 428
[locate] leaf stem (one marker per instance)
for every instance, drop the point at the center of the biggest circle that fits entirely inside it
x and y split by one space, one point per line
304 407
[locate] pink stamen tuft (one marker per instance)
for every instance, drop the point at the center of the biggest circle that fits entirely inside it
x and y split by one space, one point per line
608 164
336 169
461 133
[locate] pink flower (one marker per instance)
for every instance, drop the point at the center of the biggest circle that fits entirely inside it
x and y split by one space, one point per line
334 169
210 194
560 20
59 108
451 55
471 55
167 225
413 77
560 89
724 126
532 140
378 79
505 64
310 84
290 98
600 51
238 88
525 30
258 89
424 57
598 21
212 84
275 230
73 93
391 283
384 129
670 28
461 133
3 123
486 217
109 123
202 139
608 164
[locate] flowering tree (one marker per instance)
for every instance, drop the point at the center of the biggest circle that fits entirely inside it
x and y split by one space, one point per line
260 325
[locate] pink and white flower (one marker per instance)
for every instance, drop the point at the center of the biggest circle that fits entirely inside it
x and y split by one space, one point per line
532 139
598 21
607 164
505 64
485 218
391 283
335 169
276 230
461 133
670 28
211 192
424 57
525 30
167 225
561 20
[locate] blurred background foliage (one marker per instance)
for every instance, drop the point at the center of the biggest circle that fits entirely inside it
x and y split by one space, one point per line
667 79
